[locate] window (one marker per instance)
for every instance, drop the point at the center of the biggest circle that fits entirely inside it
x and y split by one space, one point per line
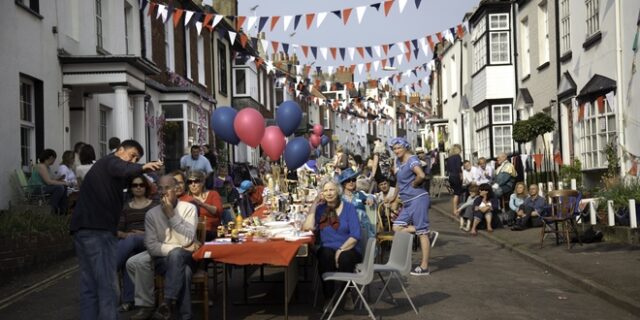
454 78
593 15
326 114
484 145
200 57
499 21
34 5
501 114
168 45
596 130
27 124
482 118
565 27
241 81
524 47
499 44
102 137
445 81
502 140
99 35
187 52
222 66
543 33
479 54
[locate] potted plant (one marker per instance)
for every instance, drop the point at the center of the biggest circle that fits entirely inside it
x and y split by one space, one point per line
571 171
611 176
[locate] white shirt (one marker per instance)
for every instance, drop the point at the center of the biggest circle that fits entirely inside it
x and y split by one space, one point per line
201 164
471 176
69 175
486 174
381 197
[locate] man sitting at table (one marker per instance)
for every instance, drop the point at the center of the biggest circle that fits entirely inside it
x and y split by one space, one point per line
170 231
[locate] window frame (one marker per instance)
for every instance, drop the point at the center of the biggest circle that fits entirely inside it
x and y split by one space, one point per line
508 48
503 138
593 136
99 25
103 130
187 53
543 33
223 76
169 46
494 112
498 15
243 85
592 17
28 124
565 27
200 61
454 78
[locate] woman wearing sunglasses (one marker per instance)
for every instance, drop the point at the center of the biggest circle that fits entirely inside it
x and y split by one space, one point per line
348 181
131 232
208 202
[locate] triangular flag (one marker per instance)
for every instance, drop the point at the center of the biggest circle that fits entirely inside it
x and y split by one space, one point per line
385 48
207 18
169 12
296 21
431 44
415 43
199 27
360 68
387 7
287 22
384 63
407 44
338 13
352 68
152 7
143 4
415 53
275 45
376 65
262 23
176 17
333 52
418 4
368 49
408 56
305 50
309 17
240 21
346 13
323 52
197 16
232 37
161 11
251 21
352 52
376 6
378 51
285 48
342 51
368 65
320 19
361 52
314 52
187 17
439 36
401 4
360 12
243 40
216 19
274 21
459 32
399 57
448 35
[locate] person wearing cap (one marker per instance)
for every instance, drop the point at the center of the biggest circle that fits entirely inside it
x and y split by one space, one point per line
348 180
415 199
208 202
243 201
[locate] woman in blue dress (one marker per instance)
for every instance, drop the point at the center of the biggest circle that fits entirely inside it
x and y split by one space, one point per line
414 217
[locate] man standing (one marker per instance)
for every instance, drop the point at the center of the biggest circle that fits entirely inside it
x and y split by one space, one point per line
195 161
170 231
94 224
210 155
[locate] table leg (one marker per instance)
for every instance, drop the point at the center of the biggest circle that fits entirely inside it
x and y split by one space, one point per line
224 291
286 293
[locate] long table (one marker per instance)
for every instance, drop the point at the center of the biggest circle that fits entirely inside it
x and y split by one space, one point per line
277 253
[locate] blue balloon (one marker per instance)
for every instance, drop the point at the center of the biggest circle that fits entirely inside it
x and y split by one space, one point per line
222 124
296 153
288 117
324 140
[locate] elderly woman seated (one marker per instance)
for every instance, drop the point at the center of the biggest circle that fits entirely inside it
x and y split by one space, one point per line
483 207
336 222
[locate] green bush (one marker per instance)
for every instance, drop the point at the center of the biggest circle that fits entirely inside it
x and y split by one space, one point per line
620 193
15 224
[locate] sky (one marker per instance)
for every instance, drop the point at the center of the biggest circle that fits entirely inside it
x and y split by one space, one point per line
376 29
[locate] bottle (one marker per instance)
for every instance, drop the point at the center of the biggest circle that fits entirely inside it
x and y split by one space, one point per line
234 236
238 219
221 231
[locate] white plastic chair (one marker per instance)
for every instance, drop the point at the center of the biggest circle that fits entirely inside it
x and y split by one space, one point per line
356 280
398 265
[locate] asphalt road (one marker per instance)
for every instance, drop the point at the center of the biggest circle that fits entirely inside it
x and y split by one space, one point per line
471 278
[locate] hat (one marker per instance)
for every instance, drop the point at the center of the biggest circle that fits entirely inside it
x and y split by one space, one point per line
347 174
419 150
244 186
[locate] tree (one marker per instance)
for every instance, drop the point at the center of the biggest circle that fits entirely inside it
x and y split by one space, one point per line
541 123
522 131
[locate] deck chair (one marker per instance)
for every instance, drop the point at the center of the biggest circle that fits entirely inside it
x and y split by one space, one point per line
30 194
399 265
355 280
199 278
563 208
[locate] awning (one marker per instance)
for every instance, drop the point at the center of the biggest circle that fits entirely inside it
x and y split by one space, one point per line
597 86
567 87
524 98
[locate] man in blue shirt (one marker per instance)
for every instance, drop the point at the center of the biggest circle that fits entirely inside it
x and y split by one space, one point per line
530 211
195 161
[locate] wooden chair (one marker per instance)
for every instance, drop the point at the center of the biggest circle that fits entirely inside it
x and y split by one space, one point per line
199 278
563 207
384 228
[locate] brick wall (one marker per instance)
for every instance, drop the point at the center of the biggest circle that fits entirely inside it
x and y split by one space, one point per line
27 253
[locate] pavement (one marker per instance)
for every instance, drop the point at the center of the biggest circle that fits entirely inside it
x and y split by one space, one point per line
504 275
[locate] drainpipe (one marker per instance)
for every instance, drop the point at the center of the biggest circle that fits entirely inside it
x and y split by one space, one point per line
620 89
515 62
560 106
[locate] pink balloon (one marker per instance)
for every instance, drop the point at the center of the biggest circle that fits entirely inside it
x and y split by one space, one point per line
273 142
249 126
315 140
318 130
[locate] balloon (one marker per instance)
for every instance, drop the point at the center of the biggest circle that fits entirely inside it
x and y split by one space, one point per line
288 117
273 142
324 140
222 124
318 129
314 140
296 153
249 126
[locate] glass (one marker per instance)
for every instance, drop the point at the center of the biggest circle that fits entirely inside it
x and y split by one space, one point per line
137 185
193 181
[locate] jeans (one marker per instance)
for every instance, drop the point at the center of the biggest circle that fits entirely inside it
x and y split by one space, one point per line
96 251
58 199
140 270
128 247
176 268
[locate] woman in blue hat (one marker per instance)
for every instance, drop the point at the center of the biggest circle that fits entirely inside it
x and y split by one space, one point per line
414 216
358 199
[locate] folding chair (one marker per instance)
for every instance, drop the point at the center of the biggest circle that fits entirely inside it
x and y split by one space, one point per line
356 280
399 265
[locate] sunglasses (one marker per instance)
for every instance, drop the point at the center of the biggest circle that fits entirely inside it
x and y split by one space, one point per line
193 181
138 185
350 180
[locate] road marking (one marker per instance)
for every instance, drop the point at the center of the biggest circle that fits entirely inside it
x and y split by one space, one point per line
36 287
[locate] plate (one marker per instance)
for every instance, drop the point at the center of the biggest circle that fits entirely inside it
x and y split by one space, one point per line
276 224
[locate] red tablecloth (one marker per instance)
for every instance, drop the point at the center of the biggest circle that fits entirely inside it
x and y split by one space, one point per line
276 253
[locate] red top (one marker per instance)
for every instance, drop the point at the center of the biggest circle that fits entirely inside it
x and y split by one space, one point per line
256 196
213 220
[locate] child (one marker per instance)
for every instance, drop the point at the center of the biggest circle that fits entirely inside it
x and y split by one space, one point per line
467 208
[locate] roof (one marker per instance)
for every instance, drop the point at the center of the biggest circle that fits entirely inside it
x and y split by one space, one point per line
598 85
567 87
525 95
